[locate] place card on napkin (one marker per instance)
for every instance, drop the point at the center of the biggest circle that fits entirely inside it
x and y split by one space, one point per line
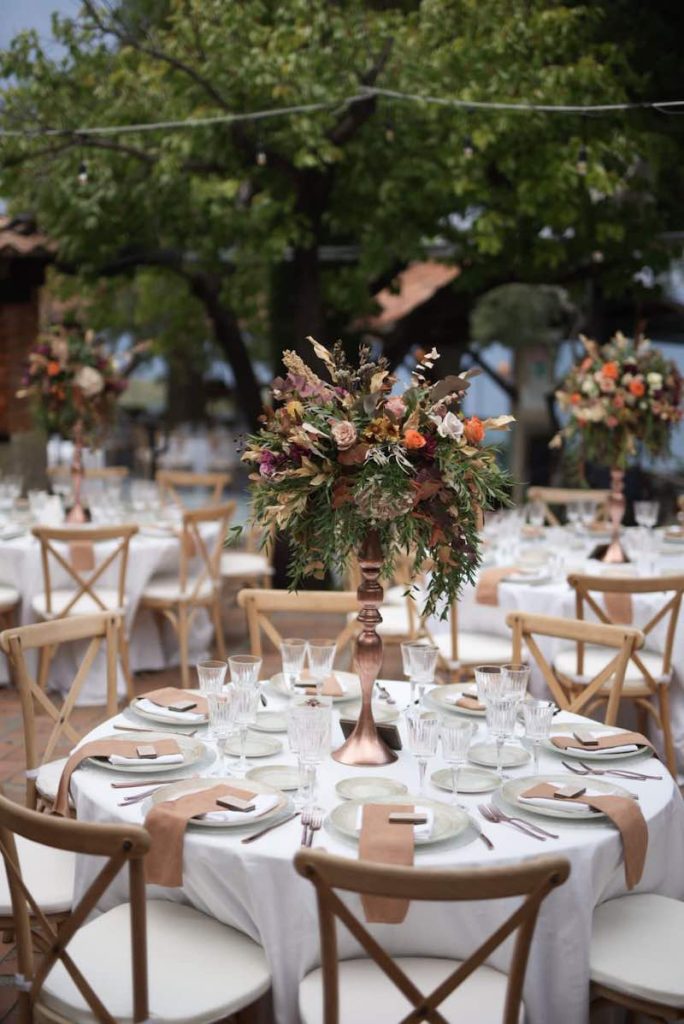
385 843
332 687
172 698
609 743
487 589
467 702
167 821
110 747
623 811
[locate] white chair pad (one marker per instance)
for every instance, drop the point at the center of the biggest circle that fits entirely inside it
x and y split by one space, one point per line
596 658
636 947
47 780
168 588
8 597
85 605
367 994
476 648
48 875
243 564
199 970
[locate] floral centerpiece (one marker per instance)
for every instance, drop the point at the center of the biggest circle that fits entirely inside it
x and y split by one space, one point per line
619 396
342 455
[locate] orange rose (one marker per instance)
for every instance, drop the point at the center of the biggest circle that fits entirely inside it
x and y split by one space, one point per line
414 439
575 398
611 371
474 430
637 387
53 368
586 364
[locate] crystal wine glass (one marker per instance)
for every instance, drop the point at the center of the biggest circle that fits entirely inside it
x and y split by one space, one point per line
456 739
646 513
293 654
245 704
538 715
501 712
423 662
244 670
536 514
406 668
321 660
211 676
221 724
423 734
487 680
514 680
311 730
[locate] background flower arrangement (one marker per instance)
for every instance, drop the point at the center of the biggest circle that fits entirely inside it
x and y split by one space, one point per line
71 380
339 456
620 395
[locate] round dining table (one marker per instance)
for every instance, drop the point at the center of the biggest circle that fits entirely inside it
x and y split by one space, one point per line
254 887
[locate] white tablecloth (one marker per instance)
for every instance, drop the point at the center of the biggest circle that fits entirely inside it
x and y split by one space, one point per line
255 888
20 565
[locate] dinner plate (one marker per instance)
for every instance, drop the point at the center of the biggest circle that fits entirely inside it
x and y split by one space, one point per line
470 780
381 712
176 789
270 721
511 789
280 776
369 787
532 578
589 755
168 717
484 754
441 698
192 750
255 746
349 680
449 820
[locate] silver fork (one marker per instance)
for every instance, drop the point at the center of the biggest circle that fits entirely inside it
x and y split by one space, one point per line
493 814
621 773
306 821
315 824
385 694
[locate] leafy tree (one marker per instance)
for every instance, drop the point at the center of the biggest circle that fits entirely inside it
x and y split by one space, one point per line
241 211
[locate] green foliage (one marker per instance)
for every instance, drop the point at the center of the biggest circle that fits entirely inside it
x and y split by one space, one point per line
520 315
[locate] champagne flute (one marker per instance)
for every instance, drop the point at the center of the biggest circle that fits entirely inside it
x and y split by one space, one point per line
423 734
244 670
423 662
538 716
245 703
321 660
501 713
293 653
456 739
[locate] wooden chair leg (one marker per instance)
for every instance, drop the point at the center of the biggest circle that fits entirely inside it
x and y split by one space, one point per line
183 645
663 694
44 666
642 719
218 629
124 655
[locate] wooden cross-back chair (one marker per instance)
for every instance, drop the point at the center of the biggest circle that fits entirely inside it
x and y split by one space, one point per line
42 773
623 640
567 496
102 548
461 649
178 598
649 672
175 483
532 880
251 565
260 604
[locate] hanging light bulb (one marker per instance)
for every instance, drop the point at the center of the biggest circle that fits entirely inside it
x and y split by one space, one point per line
390 133
468 147
261 157
582 164
82 173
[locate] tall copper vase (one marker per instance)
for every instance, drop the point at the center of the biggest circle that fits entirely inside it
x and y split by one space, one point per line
364 746
614 551
77 513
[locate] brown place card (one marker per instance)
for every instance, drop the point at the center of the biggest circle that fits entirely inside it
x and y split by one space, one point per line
182 705
570 792
235 803
586 737
146 750
407 818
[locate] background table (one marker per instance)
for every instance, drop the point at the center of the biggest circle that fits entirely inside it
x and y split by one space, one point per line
254 887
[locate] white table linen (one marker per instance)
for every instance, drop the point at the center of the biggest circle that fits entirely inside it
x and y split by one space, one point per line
254 887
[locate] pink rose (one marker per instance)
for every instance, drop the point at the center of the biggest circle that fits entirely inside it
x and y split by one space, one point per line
344 434
396 406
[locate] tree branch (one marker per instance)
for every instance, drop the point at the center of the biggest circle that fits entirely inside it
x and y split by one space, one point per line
358 113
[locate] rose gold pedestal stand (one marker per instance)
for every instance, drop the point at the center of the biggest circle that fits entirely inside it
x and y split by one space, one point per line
614 552
76 514
364 746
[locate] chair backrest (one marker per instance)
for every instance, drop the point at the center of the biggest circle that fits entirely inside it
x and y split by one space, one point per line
532 880
670 588
82 582
106 473
259 604
121 845
567 496
176 484
193 546
15 642
622 639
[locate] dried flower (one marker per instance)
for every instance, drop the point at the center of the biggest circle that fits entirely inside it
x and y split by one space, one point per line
474 430
450 426
396 406
414 440
344 434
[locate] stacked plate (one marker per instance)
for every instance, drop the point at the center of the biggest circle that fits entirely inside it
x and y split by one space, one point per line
510 797
280 807
192 752
349 681
443 698
587 754
449 821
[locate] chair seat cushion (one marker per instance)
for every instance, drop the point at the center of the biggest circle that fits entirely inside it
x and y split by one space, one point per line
243 564
636 948
475 648
596 658
48 875
168 588
199 970
85 605
9 597
47 780
367 994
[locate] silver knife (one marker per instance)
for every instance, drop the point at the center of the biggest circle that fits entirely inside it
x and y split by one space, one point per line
477 827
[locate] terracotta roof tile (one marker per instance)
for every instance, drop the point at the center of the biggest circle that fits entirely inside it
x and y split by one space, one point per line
19 238
417 284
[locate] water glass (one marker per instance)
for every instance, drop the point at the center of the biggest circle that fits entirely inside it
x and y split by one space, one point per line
456 740
422 659
221 723
501 712
211 676
587 513
538 715
514 680
536 513
309 727
293 654
321 659
244 670
423 734
488 681
245 705
646 513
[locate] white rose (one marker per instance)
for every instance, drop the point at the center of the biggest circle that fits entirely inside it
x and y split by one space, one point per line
589 387
90 381
655 381
451 426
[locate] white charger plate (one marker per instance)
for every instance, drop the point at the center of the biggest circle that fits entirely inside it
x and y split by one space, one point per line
484 754
280 776
350 680
192 750
512 788
589 755
270 721
369 787
177 789
168 717
255 746
448 822
471 780
439 698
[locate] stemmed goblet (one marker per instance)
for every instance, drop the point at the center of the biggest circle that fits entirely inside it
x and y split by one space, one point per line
311 725
456 739
501 712
321 660
221 724
293 653
538 716
244 704
244 670
423 734
422 659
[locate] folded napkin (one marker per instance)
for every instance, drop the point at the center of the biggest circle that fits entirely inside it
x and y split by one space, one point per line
610 743
108 747
381 842
166 824
467 699
167 695
160 759
263 803
570 803
623 811
332 686
487 589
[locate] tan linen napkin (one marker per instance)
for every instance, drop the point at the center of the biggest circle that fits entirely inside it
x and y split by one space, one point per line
624 812
384 843
617 739
618 607
487 589
173 694
82 556
470 703
166 824
331 686
103 748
